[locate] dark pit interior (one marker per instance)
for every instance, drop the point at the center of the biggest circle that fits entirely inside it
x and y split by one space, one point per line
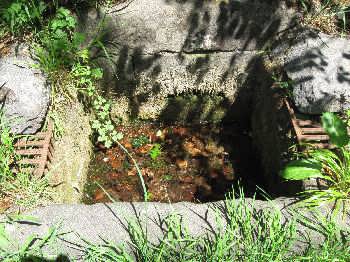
196 163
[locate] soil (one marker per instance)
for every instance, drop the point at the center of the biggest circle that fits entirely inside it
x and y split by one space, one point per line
193 163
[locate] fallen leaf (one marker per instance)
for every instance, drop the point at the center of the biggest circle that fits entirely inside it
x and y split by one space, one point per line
182 164
148 173
127 145
116 163
113 176
191 149
132 172
213 148
180 131
144 149
99 195
186 179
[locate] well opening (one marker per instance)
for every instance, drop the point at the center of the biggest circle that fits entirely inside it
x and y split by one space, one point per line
191 153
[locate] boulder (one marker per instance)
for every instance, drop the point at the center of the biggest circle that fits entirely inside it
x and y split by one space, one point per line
24 93
319 66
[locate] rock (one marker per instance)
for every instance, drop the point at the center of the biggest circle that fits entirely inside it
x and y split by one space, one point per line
160 49
25 94
99 222
319 68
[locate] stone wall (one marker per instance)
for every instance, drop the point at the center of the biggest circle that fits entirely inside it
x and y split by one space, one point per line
162 48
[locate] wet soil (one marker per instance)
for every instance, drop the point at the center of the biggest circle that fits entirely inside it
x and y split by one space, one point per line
178 163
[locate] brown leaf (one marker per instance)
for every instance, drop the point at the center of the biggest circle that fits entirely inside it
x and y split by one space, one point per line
99 195
180 131
191 149
113 176
182 164
115 163
144 149
132 172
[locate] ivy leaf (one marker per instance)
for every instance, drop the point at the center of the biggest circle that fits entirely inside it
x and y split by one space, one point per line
96 124
335 128
117 136
108 144
102 138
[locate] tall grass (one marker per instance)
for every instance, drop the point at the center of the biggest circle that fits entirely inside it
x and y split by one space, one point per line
243 234
7 151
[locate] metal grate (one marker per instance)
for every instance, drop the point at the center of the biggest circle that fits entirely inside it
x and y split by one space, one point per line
36 151
308 130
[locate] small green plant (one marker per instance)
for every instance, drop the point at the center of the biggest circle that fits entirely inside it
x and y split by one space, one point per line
157 163
23 15
167 177
139 141
155 151
329 16
331 166
285 85
85 81
58 45
7 151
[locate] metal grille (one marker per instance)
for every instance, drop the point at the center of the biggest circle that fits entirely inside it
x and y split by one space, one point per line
308 130
36 151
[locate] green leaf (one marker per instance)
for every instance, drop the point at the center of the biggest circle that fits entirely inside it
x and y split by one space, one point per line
78 39
97 73
302 169
117 136
96 124
336 129
108 144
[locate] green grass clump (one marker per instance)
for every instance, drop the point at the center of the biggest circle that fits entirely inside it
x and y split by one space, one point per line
59 45
332 166
15 181
22 16
7 151
242 234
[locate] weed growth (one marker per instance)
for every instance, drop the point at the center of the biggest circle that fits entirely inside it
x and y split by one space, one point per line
7 151
155 151
330 16
139 141
331 166
241 234
15 182
33 247
23 15
58 45
85 79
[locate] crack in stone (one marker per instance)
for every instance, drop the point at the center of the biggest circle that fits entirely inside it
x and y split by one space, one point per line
201 52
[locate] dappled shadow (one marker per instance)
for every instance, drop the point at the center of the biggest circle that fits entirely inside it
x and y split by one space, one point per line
225 29
60 258
213 47
246 219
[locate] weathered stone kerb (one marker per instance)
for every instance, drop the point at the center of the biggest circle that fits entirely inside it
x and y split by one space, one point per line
159 48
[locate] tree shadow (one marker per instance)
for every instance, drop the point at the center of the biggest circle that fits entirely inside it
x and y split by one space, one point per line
243 32
60 258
